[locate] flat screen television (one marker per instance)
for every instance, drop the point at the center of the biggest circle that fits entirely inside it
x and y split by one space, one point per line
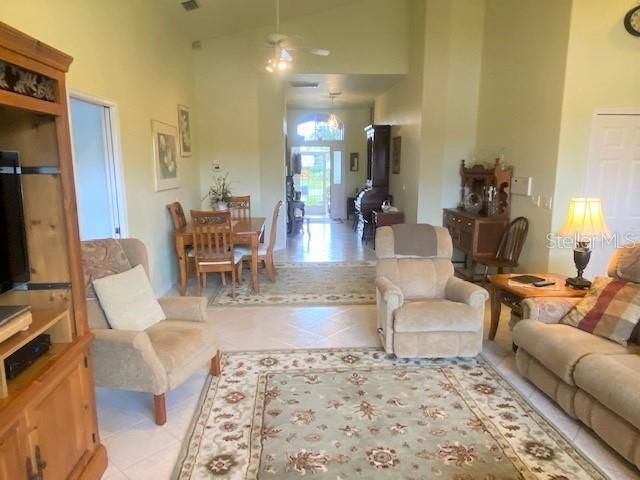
14 259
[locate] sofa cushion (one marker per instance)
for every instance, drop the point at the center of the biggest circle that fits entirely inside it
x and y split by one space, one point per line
101 258
613 380
418 278
178 342
128 300
560 347
625 263
436 316
610 309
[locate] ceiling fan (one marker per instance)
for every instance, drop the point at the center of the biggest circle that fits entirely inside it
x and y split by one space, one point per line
283 46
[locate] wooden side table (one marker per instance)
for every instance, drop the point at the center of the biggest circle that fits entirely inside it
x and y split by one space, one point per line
385 219
511 294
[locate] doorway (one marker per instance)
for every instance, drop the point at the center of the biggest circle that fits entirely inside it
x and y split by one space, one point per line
321 181
98 173
613 174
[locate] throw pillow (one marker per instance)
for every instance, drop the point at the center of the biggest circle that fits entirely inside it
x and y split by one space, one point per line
128 300
610 309
101 258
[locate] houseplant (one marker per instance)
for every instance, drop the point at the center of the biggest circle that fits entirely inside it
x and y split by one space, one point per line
219 193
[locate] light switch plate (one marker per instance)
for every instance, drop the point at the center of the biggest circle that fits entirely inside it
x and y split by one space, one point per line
521 185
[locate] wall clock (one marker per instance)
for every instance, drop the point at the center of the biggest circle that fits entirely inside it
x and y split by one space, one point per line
632 21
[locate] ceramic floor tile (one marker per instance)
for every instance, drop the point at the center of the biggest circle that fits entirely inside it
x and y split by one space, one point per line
113 473
156 466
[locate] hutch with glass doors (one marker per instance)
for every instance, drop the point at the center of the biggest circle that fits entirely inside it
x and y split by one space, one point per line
48 425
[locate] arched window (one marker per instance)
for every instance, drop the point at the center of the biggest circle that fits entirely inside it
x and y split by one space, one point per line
320 127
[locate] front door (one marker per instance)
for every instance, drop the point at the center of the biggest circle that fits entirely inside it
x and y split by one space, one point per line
614 176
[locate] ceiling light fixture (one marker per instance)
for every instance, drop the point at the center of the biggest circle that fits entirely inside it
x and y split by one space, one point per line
333 119
282 60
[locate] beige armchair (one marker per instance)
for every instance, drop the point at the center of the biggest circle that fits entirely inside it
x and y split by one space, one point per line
423 310
163 356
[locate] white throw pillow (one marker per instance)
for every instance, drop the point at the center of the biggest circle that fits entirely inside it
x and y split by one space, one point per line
128 300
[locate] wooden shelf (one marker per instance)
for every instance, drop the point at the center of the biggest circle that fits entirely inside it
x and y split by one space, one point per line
56 321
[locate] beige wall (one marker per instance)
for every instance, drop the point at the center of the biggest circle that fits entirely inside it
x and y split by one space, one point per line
520 103
132 54
355 140
602 72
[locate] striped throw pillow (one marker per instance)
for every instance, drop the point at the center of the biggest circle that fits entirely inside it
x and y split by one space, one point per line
610 309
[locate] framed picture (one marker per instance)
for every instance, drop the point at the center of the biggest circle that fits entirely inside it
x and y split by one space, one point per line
354 161
184 124
165 155
396 154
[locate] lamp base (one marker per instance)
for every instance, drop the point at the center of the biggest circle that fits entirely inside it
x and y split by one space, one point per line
579 283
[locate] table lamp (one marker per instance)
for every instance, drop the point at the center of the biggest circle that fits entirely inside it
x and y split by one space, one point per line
584 221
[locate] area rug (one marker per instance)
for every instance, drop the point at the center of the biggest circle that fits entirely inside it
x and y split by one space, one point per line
361 414
323 283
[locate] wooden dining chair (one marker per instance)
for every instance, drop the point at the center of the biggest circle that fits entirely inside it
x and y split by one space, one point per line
177 216
213 249
240 206
265 252
509 248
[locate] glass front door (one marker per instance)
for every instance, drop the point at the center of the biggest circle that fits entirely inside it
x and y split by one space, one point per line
315 180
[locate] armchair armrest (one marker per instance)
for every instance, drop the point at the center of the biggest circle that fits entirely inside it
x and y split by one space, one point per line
126 359
185 308
547 309
389 291
461 291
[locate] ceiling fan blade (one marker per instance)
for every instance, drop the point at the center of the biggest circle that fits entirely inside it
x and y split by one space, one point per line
321 52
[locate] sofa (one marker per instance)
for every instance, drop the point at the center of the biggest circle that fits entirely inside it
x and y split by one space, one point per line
593 379
423 309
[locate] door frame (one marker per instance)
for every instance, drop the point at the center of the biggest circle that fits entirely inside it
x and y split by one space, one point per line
114 154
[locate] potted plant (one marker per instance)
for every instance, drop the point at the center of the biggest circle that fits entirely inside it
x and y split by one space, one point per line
219 193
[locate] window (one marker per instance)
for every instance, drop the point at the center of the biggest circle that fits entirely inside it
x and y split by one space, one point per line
319 127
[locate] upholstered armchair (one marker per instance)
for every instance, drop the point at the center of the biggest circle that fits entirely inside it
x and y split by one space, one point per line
161 357
423 309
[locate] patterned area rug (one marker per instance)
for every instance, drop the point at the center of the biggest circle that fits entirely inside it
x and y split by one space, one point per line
359 414
328 283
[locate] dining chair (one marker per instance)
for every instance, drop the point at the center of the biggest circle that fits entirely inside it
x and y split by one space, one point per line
213 249
240 206
265 252
179 221
509 248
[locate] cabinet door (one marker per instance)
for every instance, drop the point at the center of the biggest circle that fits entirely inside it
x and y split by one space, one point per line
14 453
62 422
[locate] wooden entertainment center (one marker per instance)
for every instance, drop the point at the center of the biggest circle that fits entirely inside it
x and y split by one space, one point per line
48 423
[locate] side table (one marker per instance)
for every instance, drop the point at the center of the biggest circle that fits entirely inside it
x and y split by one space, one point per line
511 294
385 219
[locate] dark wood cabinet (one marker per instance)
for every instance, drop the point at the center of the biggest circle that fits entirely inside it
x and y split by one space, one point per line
473 234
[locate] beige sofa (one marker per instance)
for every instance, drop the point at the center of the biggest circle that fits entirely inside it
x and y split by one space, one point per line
592 378
161 357
423 310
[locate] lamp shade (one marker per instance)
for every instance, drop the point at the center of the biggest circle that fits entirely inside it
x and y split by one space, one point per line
584 219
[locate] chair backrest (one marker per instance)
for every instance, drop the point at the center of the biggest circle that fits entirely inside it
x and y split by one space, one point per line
512 241
418 277
212 235
625 263
273 234
240 206
177 215
413 240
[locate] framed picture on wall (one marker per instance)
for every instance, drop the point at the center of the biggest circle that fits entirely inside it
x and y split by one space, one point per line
354 161
165 155
396 153
184 124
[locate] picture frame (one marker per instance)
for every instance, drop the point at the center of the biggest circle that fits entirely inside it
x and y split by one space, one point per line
165 155
354 161
184 129
396 154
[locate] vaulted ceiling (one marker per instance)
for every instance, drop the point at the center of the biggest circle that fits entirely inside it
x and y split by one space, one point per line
216 18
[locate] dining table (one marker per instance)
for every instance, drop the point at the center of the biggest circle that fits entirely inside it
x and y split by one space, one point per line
247 231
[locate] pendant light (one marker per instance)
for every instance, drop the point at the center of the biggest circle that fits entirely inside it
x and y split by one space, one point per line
333 119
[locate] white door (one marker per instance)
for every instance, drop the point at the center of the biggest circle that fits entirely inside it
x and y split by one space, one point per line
614 176
338 207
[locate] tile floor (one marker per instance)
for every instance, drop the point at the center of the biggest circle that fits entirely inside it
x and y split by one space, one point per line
138 449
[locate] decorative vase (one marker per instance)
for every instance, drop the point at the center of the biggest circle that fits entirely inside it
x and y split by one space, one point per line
221 206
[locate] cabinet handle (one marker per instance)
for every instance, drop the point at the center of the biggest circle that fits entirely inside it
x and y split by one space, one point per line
41 464
30 474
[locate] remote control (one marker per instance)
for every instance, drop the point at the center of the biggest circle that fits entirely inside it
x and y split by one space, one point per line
544 283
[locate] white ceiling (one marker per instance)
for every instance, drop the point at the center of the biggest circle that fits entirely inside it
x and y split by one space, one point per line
216 18
357 90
